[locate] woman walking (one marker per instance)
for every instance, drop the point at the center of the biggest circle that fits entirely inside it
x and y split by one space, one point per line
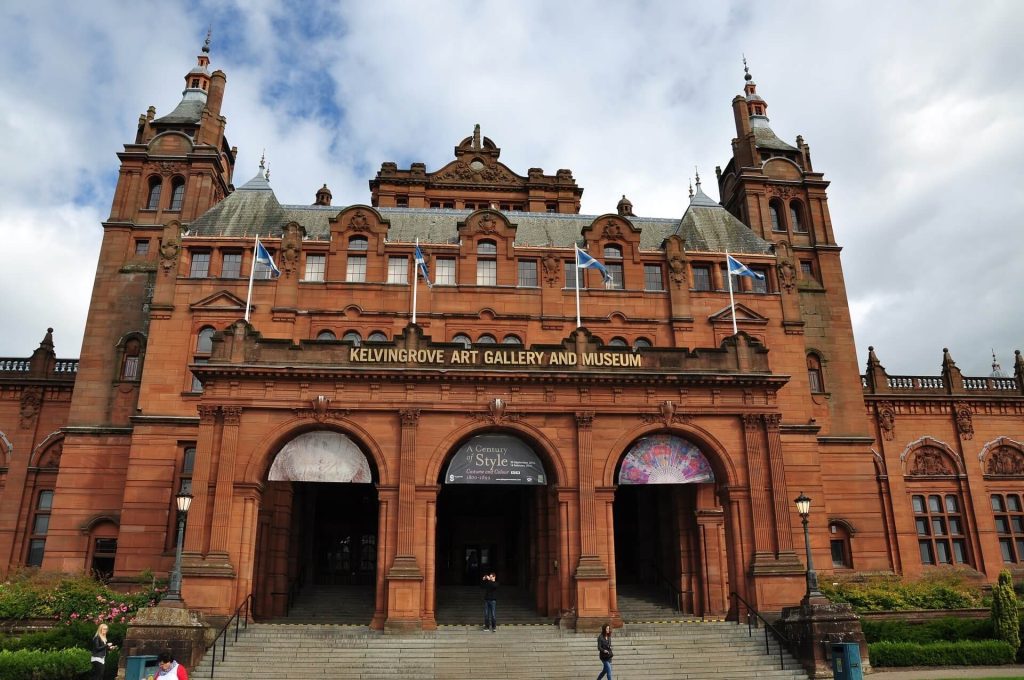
604 651
99 650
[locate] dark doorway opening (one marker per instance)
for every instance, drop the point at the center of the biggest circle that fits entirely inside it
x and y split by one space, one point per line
337 525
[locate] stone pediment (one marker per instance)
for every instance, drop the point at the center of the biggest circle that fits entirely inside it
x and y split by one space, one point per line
743 315
221 301
478 170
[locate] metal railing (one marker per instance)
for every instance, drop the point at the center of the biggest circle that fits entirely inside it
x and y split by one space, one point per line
753 616
675 593
222 636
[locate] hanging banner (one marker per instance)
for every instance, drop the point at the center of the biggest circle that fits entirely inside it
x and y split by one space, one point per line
665 459
322 456
495 459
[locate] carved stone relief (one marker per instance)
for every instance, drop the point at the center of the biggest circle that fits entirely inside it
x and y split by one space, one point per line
31 403
1005 461
552 269
929 461
887 420
677 271
964 421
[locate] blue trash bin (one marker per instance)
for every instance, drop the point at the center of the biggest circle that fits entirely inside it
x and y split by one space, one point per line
140 667
846 661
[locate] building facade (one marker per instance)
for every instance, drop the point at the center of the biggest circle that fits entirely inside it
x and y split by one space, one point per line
345 424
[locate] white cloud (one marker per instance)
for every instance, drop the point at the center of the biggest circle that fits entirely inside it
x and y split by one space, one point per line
910 111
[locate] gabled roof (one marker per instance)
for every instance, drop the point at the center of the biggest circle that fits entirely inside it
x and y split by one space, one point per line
708 227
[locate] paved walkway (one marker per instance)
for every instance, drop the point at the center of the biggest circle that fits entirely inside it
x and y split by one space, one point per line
1016 671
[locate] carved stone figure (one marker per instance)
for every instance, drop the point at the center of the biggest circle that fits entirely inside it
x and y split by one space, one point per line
964 422
887 420
677 270
290 247
1005 461
612 229
787 275
31 402
552 269
930 461
359 222
169 255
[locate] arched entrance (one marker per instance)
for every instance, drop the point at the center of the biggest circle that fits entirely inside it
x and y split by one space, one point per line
494 513
317 533
669 528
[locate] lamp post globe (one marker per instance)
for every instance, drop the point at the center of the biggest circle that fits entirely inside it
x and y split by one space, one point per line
183 501
803 506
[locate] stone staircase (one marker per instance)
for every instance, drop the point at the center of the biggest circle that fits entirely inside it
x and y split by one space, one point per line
342 605
681 651
465 605
639 604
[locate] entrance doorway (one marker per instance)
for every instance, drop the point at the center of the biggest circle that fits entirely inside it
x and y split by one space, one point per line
494 513
317 537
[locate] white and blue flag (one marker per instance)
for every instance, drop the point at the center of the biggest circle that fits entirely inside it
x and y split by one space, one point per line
421 265
737 268
585 261
263 257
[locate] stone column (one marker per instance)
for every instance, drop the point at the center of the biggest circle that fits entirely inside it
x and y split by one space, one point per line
195 531
225 489
592 597
430 577
783 530
761 506
405 578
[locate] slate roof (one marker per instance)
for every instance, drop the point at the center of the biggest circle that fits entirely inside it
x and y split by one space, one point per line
253 209
765 137
187 111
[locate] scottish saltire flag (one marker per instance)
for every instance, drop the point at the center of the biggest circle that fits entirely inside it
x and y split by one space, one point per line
421 264
264 258
737 268
585 261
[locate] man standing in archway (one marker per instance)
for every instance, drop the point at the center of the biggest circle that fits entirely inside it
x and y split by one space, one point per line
490 585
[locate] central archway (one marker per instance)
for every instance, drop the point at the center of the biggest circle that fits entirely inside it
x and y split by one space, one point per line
317 535
668 527
493 514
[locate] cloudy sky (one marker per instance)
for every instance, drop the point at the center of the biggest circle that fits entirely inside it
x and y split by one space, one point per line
913 110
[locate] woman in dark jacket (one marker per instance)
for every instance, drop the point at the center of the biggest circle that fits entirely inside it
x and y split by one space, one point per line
99 650
604 651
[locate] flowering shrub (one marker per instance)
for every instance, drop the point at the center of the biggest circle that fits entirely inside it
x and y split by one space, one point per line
32 664
945 589
69 598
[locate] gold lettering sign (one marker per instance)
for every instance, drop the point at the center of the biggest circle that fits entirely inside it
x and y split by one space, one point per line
518 358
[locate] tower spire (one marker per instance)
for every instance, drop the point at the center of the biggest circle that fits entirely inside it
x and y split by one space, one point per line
206 43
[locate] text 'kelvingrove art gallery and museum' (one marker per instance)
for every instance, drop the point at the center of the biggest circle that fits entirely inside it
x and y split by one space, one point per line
460 373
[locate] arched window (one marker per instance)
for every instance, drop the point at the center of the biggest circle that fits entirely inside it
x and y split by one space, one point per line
204 341
358 243
130 360
486 339
511 339
353 337
177 193
486 248
796 216
776 217
204 346
377 336
463 339
326 335
640 343
814 376
155 187
612 252
618 342
38 528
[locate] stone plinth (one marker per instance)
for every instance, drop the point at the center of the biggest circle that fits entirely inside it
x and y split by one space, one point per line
167 628
813 627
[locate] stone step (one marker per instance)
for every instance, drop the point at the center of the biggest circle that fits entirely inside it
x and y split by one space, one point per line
711 651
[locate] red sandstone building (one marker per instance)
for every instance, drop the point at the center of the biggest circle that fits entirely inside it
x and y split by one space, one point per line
331 440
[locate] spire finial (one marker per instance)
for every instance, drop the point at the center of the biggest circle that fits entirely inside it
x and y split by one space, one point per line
696 174
206 45
266 175
476 136
746 70
690 183
263 158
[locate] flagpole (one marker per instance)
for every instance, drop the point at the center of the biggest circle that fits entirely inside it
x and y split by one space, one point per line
415 279
576 248
732 302
252 273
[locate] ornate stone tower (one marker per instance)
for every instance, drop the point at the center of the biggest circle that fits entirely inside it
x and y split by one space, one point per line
772 186
178 166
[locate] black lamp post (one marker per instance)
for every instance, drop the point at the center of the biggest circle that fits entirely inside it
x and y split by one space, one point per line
803 506
183 500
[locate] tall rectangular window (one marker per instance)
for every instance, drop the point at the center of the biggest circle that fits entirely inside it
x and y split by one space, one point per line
1009 516
231 266
398 269
40 526
615 272
444 271
940 531
653 279
315 267
759 285
355 270
263 271
528 273
103 553
141 247
701 277
570 276
200 266
486 272
807 270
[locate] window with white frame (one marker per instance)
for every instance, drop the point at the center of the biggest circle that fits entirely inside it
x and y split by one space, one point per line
315 266
444 271
398 269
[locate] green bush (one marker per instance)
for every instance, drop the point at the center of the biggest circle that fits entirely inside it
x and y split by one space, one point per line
943 589
30 664
948 629
63 636
1005 618
69 598
963 653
